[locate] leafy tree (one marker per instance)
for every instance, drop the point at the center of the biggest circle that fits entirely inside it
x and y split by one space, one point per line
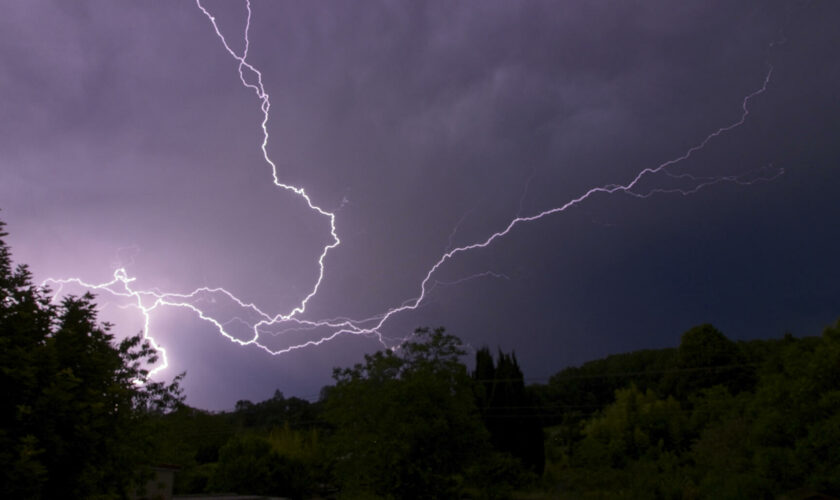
638 424
707 358
190 438
780 438
575 393
508 409
796 408
277 411
74 401
406 425
249 464
632 449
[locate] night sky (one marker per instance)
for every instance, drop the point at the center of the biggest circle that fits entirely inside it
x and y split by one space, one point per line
128 140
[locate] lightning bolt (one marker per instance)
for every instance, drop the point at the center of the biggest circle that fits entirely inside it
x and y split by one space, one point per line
282 325
265 105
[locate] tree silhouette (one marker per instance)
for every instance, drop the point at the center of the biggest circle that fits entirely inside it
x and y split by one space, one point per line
74 401
405 424
507 409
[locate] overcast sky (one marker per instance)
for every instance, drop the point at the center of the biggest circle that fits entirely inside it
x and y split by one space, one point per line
127 140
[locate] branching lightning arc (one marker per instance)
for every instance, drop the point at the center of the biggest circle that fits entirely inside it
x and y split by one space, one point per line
259 322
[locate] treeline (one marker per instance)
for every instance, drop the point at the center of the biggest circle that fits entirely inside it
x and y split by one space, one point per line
411 423
711 418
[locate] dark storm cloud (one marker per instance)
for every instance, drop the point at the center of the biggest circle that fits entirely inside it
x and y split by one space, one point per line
124 124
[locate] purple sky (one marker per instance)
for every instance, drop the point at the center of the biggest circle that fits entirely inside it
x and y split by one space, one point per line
127 140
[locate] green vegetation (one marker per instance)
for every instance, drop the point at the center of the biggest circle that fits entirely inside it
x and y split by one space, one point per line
405 425
725 420
75 421
711 418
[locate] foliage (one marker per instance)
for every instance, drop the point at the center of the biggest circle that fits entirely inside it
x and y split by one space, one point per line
495 475
576 393
278 411
75 403
406 425
638 424
249 464
191 439
296 444
507 409
194 440
764 425
746 419
707 358
796 410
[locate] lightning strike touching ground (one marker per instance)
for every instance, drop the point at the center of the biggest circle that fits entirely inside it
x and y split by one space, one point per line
259 322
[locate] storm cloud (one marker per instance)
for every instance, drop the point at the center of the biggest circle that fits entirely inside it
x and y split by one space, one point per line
128 140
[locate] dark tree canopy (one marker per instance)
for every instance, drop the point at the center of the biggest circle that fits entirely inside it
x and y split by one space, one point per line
706 358
405 422
508 409
74 399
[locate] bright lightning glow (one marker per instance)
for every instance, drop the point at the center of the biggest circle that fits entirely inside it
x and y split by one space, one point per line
261 323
